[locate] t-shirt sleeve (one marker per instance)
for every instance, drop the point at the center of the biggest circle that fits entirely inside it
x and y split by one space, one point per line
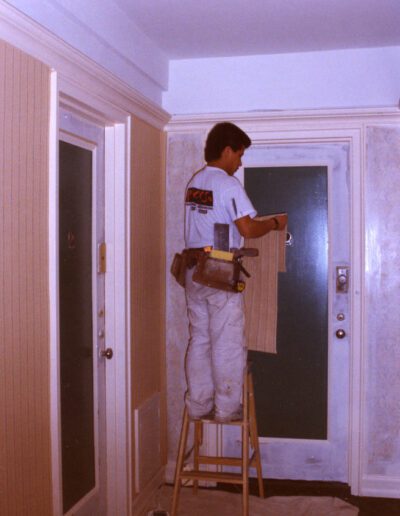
237 202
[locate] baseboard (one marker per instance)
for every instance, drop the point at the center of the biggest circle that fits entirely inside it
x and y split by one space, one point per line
144 501
380 486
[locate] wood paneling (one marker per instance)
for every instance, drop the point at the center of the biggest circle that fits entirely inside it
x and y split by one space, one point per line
25 471
148 271
147 260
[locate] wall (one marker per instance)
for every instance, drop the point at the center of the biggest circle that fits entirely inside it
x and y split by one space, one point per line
148 297
25 471
343 78
101 31
382 324
184 156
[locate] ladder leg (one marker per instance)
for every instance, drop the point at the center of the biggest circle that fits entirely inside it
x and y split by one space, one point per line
179 462
198 431
245 446
245 468
254 437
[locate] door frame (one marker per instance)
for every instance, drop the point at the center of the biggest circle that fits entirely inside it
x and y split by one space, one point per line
309 156
292 133
353 137
117 298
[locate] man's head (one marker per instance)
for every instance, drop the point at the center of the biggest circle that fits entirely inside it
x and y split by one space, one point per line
224 135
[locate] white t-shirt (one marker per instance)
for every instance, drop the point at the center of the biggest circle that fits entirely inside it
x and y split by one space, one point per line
214 196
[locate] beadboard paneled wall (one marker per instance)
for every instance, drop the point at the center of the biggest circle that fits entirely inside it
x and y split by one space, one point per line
25 468
148 270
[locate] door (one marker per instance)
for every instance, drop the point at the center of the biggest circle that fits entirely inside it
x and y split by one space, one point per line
302 392
82 316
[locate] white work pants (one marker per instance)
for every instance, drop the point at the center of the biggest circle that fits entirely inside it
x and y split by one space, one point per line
216 355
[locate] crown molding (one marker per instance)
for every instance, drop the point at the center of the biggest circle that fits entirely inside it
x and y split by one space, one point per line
259 120
79 77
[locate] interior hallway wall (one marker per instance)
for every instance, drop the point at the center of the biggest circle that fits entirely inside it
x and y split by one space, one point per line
148 296
309 80
184 157
25 463
382 322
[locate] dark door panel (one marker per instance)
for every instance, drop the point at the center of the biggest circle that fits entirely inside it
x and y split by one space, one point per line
76 323
291 386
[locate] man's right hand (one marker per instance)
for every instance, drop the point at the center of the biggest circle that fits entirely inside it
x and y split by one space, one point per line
253 228
282 221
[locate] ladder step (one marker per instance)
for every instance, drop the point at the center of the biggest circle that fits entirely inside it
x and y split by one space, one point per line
211 421
215 476
225 461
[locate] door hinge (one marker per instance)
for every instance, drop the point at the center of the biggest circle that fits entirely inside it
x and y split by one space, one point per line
101 258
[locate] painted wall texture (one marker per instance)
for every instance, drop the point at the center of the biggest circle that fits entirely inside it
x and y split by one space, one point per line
184 157
382 322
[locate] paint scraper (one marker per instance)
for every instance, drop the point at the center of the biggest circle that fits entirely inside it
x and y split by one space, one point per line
221 236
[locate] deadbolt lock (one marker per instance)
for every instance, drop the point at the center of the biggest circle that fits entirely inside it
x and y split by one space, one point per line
342 279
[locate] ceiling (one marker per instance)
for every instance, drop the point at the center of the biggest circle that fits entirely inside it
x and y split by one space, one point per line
185 29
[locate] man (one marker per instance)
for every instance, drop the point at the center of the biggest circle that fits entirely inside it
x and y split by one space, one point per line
216 355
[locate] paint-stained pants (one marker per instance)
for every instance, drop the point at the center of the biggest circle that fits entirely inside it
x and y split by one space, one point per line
216 355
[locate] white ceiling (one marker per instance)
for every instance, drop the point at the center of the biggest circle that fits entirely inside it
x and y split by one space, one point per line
210 28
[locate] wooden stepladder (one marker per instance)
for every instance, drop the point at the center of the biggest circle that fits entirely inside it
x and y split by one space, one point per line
250 443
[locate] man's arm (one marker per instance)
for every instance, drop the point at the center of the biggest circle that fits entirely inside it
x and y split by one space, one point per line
251 228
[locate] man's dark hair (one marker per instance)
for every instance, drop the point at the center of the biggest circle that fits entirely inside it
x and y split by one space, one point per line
224 134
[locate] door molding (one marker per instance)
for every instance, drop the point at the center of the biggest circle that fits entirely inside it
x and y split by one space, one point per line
117 303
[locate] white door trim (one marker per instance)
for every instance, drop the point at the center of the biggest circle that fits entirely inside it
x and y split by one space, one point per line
54 296
118 378
117 307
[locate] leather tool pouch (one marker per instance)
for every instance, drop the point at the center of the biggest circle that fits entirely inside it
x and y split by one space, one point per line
220 274
178 268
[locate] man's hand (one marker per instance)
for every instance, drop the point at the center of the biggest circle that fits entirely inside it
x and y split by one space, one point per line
253 228
282 221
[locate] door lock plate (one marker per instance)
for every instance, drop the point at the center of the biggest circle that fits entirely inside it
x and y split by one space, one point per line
342 279
101 258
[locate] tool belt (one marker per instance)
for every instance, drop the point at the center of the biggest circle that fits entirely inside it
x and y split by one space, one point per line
217 269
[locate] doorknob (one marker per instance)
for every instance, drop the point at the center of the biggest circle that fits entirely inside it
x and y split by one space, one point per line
340 334
107 353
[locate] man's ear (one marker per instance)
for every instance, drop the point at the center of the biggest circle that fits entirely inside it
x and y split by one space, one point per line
226 151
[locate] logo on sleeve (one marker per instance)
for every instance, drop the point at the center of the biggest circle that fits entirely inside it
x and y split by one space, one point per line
202 200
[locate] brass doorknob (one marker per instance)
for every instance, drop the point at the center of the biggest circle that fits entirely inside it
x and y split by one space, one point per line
107 353
340 334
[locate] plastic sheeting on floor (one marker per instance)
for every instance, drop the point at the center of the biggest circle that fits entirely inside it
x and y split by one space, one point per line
210 502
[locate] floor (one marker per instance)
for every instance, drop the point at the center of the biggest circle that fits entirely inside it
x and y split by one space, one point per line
367 506
213 502
293 488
